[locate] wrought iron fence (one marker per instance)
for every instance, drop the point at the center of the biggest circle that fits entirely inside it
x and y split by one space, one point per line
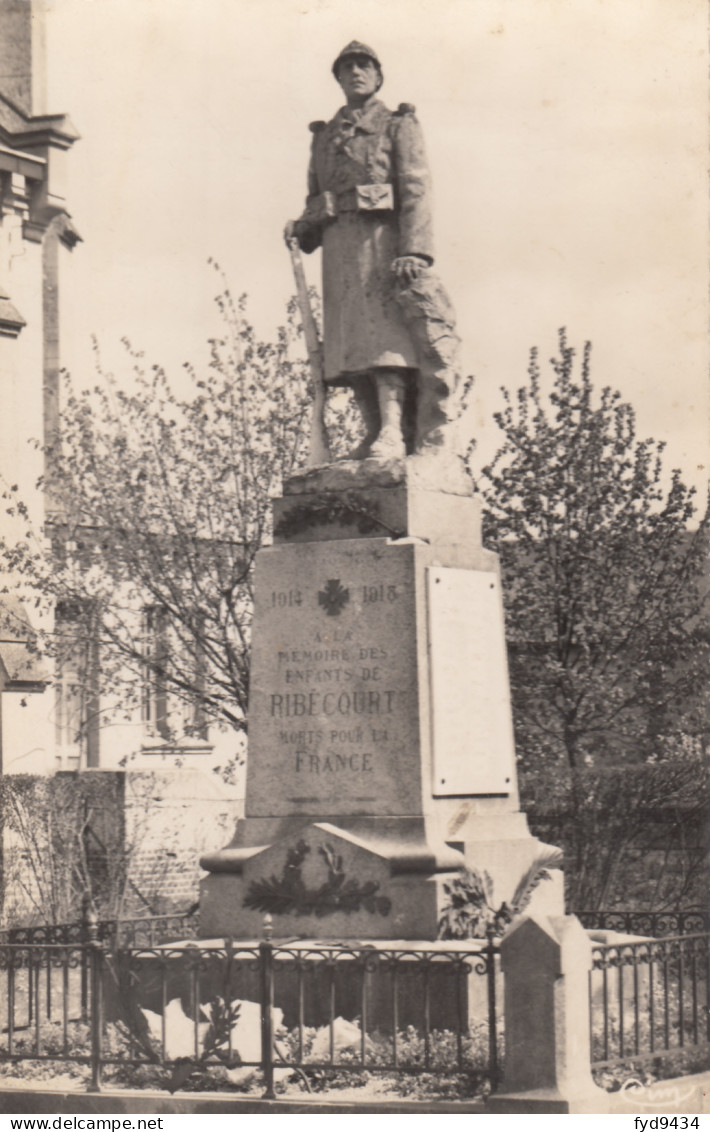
280 1008
417 1009
648 923
49 991
140 931
649 998
52 947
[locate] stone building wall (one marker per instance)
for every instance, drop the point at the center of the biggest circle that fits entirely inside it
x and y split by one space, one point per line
172 818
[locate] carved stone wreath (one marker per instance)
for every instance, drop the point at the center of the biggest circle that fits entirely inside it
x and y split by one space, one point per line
288 894
348 509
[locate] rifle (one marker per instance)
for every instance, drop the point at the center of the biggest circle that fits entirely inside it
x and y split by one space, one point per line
319 452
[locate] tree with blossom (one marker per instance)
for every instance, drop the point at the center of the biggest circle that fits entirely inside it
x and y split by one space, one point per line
160 503
604 564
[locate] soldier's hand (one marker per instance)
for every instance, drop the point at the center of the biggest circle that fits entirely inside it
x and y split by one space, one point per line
408 268
290 231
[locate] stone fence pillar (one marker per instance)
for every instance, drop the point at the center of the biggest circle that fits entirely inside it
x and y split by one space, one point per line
546 963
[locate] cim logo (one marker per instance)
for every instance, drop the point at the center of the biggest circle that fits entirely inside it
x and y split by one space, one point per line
657 1096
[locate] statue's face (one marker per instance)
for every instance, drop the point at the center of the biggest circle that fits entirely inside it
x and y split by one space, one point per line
359 78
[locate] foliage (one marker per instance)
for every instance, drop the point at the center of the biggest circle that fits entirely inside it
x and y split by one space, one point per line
348 508
71 1061
59 847
70 843
223 1017
633 1074
469 912
442 1080
288 894
161 502
603 578
613 823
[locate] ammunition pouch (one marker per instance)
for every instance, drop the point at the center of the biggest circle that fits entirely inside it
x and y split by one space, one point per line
361 198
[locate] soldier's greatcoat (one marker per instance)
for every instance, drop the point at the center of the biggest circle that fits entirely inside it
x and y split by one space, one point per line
368 203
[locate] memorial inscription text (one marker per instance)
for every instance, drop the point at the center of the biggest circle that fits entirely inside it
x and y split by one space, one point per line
334 692
339 695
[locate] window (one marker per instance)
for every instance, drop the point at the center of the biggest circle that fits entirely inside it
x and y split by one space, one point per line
76 687
168 717
154 696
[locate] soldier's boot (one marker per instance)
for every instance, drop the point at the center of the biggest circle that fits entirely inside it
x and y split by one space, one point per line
390 393
365 397
435 428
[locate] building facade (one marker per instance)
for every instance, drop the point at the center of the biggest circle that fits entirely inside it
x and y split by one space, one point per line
52 716
36 232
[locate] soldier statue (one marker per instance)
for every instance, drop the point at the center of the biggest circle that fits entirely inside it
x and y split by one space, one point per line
388 325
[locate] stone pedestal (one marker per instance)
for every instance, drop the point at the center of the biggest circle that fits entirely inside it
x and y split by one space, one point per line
381 750
546 964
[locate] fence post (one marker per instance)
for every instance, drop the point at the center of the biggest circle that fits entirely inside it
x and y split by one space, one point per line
30 988
491 952
266 965
96 972
84 939
546 962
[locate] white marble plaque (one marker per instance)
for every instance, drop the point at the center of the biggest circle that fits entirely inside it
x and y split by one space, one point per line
472 730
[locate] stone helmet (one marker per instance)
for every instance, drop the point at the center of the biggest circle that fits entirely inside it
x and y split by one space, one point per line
357 48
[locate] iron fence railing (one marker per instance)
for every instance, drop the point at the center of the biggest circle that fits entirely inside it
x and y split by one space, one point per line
417 1008
648 923
281 1008
44 985
649 998
138 931
68 940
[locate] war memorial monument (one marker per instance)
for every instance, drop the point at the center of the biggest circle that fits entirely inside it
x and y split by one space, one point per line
381 753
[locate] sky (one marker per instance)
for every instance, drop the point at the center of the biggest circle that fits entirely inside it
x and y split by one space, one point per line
567 141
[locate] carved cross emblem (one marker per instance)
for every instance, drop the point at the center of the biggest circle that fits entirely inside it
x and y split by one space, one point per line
333 597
